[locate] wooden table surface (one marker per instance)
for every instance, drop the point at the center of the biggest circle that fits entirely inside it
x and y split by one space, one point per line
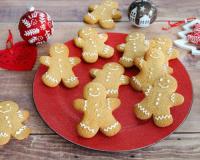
43 143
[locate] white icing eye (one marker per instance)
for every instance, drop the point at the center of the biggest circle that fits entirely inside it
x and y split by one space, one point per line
0 106
98 89
90 89
161 79
168 80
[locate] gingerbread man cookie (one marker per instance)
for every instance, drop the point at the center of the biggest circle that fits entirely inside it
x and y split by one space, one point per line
93 45
152 66
157 103
166 45
136 46
104 14
60 67
97 111
111 76
11 119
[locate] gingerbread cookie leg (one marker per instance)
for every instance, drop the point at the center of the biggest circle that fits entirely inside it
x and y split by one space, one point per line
94 72
4 136
107 52
86 128
21 131
70 80
90 18
111 126
51 78
107 23
116 14
142 111
163 117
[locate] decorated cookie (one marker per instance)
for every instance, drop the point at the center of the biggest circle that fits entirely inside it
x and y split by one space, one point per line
152 66
135 46
11 119
60 67
93 45
104 14
111 76
166 45
97 111
157 103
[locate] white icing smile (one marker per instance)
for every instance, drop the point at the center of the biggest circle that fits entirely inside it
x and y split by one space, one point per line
113 68
94 93
164 83
59 49
155 55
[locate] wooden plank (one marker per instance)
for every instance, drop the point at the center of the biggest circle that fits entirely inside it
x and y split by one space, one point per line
40 147
70 10
18 85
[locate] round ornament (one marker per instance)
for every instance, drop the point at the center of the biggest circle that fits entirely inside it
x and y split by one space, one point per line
35 26
142 13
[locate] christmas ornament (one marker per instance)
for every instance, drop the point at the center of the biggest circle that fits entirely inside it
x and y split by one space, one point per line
17 57
190 37
35 26
142 13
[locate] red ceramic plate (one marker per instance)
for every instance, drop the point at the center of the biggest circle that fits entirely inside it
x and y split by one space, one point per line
55 106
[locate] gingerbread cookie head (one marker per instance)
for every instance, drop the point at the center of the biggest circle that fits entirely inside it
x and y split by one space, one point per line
87 32
166 83
11 122
114 67
111 3
58 49
155 54
94 91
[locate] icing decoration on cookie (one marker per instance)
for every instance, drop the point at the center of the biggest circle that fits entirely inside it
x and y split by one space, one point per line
111 76
60 67
104 14
93 45
97 111
11 119
136 46
159 100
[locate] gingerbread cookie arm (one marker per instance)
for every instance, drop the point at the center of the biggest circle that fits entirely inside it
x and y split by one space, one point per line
107 23
80 104
172 53
94 72
22 115
92 7
79 42
124 80
74 61
113 103
45 60
107 52
116 14
103 37
139 62
121 47
176 99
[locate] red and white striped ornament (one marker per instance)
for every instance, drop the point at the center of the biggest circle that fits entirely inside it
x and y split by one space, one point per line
35 26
